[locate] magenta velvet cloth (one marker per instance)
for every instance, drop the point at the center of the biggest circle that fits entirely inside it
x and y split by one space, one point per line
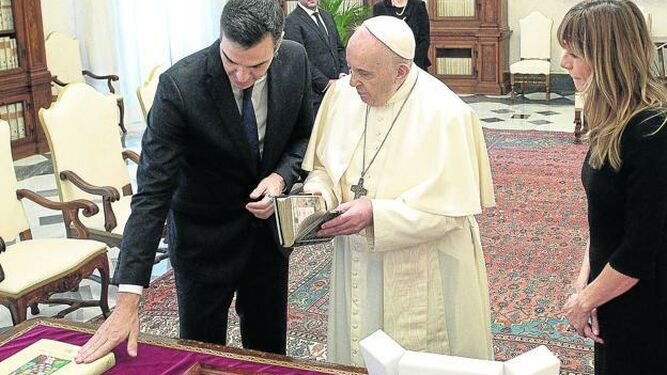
152 359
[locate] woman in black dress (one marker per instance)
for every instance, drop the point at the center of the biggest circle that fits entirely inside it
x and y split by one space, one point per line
621 292
413 12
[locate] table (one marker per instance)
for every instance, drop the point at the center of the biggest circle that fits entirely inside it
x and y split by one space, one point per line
166 356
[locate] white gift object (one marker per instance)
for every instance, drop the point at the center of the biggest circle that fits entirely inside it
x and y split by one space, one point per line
414 363
539 361
381 354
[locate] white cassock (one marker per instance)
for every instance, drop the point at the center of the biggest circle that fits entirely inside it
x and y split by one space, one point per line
418 272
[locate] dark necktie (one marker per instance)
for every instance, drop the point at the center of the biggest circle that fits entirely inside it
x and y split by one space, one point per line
320 25
250 122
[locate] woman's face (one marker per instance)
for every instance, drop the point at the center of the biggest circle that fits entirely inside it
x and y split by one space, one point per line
577 67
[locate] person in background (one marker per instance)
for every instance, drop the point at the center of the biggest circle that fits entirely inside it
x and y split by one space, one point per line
414 13
227 131
315 29
620 298
404 158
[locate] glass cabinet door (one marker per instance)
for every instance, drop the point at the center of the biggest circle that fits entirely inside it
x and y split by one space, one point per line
455 8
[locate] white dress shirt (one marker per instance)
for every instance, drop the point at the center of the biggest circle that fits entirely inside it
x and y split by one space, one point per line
312 15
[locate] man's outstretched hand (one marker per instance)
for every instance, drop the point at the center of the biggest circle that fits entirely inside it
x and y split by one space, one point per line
123 323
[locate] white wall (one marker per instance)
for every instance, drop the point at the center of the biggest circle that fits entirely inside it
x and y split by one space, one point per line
58 15
556 9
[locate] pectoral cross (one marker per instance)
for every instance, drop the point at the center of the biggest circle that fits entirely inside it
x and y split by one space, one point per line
358 189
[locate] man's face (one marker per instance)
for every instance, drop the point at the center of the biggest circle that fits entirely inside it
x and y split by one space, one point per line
310 4
373 73
245 66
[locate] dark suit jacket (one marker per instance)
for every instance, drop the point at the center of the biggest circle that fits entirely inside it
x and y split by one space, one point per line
416 17
325 52
196 160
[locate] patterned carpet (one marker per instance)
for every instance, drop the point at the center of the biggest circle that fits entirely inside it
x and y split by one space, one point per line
533 242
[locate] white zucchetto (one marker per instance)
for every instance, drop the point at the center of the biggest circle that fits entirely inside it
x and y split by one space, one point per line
393 33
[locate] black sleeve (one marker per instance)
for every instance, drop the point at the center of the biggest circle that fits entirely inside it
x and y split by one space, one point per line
423 37
293 32
289 166
645 164
159 166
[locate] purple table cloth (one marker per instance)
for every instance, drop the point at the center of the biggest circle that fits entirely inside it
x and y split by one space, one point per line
156 359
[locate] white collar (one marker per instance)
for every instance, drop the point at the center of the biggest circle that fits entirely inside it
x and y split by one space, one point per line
309 11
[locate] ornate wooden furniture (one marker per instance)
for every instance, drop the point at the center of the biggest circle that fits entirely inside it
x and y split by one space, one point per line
32 270
64 62
88 159
580 127
146 92
25 83
534 69
470 45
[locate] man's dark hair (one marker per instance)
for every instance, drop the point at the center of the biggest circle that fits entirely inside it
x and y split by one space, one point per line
246 22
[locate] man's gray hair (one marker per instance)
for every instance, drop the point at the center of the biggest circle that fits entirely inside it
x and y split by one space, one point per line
246 22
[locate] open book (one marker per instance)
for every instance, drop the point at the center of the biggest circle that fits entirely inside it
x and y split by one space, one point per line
299 218
46 357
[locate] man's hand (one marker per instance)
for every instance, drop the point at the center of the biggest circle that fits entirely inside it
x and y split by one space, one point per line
123 323
357 215
268 188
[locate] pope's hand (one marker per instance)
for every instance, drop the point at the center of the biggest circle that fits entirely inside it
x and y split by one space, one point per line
357 215
269 187
123 323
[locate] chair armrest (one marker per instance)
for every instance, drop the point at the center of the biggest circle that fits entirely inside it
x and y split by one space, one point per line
109 194
70 209
109 78
129 154
58 82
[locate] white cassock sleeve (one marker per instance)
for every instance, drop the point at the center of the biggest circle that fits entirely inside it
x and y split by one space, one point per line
397 226
319 181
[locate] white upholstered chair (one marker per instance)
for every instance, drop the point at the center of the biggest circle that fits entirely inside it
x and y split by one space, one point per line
63 60
89 160
146 92
534 68
31 270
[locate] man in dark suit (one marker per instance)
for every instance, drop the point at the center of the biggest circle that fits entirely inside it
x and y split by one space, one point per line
227 131
315 29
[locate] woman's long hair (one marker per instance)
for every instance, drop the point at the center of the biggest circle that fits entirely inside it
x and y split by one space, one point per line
613 38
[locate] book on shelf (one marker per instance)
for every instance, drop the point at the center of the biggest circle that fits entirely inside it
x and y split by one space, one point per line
8 53
53 357
6 15
299 218
20 120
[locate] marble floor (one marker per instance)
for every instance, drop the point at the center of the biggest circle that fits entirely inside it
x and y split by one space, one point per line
531 112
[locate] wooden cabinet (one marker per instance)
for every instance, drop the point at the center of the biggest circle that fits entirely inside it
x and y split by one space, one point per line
470 45
24 80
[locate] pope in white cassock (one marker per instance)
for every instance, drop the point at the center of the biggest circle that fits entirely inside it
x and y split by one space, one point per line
405 159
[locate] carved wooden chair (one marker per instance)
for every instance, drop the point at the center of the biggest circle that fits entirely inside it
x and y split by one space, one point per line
534 68
31 270
580 126
146 92
89 161
63 59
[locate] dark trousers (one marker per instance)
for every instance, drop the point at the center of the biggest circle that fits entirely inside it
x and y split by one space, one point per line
261 303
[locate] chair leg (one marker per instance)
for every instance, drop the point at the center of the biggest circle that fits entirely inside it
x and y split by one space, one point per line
577 125
121 109
548 87
34 309
104 289
18 312
513 93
